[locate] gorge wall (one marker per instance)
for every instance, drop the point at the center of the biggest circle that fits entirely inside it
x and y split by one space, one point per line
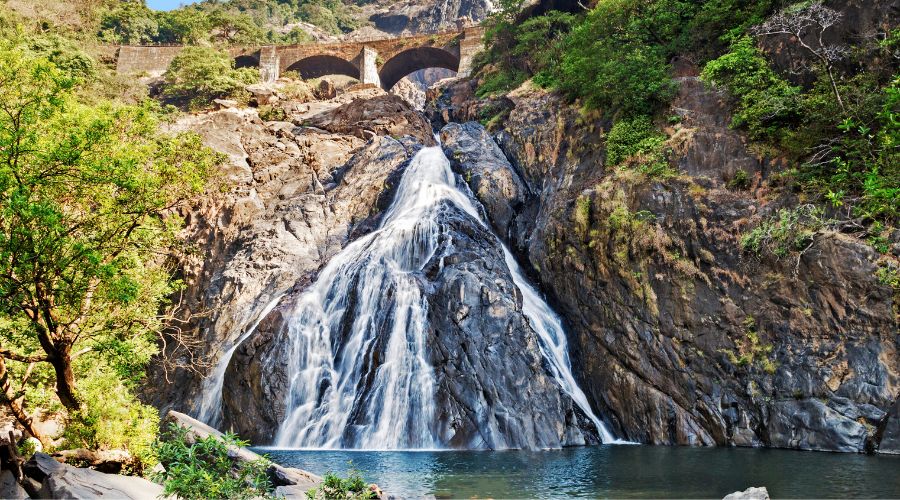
679 336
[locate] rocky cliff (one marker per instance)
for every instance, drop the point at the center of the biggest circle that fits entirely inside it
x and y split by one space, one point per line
680 336
677 334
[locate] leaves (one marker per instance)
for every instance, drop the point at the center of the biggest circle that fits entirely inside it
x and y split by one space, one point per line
88 196
202 468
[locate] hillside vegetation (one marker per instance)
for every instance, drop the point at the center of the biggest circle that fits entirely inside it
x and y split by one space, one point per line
837 124
229 22
90 192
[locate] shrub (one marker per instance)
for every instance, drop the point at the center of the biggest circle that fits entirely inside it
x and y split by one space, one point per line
333 487
740 180
202 469
201 74
63 53
628 138
791 230
112 418
766 104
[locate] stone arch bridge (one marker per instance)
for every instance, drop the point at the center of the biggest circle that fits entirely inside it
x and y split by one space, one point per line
380 62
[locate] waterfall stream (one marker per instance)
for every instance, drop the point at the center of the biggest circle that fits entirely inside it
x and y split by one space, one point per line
367 301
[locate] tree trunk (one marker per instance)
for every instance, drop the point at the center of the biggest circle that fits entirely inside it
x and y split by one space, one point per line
15 407
834 88
65 380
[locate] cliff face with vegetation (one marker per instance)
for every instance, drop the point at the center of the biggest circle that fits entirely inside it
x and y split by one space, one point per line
680 336
711 299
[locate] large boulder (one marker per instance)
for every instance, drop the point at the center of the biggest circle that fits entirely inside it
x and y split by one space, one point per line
10 488
496 184
386 114
64 481
751 493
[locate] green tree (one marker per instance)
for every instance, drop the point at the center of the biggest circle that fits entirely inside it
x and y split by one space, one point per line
87 196
186 26
234 28
611 61
131 22
201 74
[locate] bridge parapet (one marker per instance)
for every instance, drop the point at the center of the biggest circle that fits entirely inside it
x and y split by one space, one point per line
374 61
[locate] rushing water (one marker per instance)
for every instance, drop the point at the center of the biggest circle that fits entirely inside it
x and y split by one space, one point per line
612 472
211 404
326 372
329 363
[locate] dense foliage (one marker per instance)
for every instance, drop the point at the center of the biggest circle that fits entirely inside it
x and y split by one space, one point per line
848 150
334 487
229 22
614 57
202 468
200 74
89 190
837 122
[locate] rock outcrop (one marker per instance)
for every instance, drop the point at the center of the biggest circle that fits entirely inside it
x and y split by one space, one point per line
290 199
677 334
64 481
386 114
751 493
488 173
425 17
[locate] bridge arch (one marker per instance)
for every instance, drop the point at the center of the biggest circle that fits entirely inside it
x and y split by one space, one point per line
412 60
323 65
246 61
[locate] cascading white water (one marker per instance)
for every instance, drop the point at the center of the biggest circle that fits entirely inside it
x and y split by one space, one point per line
211 404
369 293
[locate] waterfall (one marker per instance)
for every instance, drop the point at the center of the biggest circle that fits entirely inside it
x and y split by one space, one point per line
369 293
211 403
368 300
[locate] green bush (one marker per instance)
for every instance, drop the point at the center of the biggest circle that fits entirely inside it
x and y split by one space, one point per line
112 418
791 230
333 487
628 138
63 53
766 104
202 469
201 74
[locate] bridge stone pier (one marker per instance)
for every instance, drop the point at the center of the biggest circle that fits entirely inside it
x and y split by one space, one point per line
380 62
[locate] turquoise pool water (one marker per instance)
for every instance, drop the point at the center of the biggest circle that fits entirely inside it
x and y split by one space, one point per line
611 471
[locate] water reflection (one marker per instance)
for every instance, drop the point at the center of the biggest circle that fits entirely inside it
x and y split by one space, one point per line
612 471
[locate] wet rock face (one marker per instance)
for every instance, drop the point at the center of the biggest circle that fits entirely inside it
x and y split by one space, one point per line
488 172
475 319
493 392
294 196
677 335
